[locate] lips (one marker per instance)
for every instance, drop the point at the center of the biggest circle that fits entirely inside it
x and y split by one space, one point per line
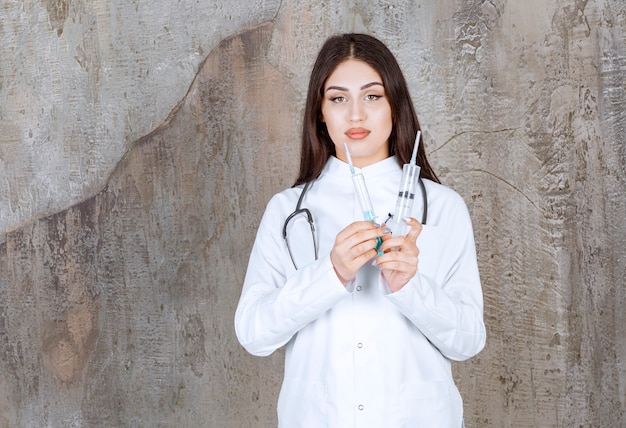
357 133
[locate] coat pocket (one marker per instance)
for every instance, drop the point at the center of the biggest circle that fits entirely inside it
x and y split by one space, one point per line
302 405
430 404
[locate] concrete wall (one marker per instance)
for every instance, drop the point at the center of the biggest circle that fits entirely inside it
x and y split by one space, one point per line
126 222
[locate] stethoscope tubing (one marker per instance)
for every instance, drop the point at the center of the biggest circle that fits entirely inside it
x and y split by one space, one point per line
307 212
299 209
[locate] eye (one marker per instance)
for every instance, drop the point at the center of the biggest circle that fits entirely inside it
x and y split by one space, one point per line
372 97
338 99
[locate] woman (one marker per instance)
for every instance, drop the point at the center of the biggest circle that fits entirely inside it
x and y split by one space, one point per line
369 333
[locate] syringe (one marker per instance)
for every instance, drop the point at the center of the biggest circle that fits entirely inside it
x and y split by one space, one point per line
358 180
406 193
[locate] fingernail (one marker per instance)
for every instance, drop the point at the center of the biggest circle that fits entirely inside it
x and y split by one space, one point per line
376 224
386 230
406 219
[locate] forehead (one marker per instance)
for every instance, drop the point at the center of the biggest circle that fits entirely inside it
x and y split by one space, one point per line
352 73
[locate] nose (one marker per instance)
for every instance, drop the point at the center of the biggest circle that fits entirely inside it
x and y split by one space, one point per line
357 111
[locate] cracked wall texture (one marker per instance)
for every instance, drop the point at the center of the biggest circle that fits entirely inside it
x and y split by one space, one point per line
126 223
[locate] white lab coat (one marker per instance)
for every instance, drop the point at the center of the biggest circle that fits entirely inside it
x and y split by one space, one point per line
361 356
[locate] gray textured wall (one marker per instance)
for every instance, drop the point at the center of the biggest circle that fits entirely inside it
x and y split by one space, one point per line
126 223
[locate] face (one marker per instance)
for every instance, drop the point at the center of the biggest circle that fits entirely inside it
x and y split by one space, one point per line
356 111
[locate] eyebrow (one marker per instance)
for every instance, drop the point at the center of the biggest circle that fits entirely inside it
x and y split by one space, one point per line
367 85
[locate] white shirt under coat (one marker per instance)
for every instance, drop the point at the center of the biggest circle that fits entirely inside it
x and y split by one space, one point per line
361 356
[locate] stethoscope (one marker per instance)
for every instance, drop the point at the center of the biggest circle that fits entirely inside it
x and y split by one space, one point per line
309 216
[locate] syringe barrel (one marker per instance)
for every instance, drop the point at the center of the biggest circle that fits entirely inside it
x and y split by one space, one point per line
406 197
365 202
363 196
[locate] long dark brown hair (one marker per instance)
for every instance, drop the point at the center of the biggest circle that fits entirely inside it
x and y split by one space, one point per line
317 145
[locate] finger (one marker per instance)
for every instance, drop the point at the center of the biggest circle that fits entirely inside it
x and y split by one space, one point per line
366 234
365 249
391 242
386 232
416 228
354 229
393 259
354 246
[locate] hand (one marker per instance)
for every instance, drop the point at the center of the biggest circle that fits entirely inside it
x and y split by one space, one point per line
354 246
399 263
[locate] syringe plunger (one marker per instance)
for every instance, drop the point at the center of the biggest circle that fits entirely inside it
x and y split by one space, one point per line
406 197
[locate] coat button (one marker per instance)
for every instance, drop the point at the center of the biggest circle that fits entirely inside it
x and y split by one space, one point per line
361 407
359 345
359 288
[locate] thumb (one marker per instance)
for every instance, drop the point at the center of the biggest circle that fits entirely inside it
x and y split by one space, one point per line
416 228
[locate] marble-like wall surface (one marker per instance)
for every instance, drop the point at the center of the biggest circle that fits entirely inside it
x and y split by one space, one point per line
127 221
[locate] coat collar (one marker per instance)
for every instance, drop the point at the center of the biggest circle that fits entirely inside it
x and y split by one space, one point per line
336 168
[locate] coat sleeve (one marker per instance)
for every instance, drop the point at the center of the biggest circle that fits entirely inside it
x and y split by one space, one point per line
277 300
448 309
